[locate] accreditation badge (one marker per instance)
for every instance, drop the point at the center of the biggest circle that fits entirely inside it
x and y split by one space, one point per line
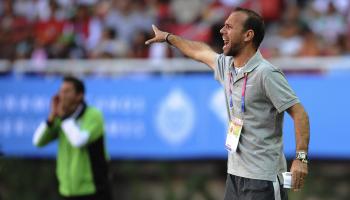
233 134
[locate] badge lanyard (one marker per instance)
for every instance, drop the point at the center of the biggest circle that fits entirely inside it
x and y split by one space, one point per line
230 105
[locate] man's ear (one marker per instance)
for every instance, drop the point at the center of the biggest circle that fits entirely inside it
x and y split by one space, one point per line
249 35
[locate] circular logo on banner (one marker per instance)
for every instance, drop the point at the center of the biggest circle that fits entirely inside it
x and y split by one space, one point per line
175 117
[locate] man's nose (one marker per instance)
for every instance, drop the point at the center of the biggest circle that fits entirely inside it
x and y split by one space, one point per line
222 30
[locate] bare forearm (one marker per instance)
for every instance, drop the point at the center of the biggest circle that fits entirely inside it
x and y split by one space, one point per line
302 127
302 132
196 50
189 48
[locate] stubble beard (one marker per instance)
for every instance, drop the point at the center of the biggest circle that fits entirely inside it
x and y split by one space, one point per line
235 49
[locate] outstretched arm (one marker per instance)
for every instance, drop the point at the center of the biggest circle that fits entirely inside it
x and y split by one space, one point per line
196 50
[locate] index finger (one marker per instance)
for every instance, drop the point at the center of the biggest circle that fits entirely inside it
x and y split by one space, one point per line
155 29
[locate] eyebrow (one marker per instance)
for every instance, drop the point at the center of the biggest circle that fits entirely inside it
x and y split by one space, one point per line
228 24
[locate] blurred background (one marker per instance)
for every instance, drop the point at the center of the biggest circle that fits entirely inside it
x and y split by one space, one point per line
165 115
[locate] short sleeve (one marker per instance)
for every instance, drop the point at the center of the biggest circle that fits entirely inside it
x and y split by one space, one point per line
221 62
278 90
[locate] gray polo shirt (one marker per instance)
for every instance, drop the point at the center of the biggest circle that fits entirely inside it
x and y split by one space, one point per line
260 150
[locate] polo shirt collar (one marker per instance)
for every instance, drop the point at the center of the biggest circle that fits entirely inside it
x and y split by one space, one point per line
251 65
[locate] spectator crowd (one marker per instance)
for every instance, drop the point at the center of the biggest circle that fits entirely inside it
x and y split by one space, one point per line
90 29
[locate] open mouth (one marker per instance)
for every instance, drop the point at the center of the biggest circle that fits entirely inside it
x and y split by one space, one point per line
226 42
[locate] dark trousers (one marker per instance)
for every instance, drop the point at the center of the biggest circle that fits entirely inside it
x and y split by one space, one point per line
239 188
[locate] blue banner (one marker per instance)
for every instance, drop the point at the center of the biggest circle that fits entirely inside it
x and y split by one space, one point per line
169 117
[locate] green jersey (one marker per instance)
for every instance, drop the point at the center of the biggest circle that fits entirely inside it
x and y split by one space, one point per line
81 166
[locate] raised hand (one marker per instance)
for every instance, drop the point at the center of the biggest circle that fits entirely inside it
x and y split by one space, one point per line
159 36
54 112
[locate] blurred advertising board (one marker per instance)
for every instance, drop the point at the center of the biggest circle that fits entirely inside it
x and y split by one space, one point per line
169 116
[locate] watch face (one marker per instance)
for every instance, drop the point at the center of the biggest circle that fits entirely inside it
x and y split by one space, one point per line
301 156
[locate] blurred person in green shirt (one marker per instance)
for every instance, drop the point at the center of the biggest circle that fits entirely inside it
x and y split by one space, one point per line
81 169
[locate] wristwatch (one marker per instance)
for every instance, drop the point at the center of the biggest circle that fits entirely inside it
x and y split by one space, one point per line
302 156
